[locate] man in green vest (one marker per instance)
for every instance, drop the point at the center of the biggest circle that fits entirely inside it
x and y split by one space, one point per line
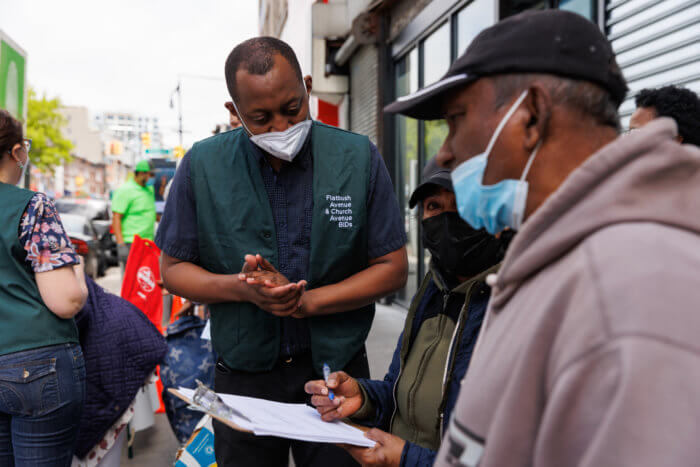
290 230
134 210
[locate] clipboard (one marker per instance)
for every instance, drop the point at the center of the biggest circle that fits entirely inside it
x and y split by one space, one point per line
228 423
232 425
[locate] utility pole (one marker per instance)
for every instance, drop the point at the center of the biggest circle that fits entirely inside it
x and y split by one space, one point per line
179 110
178 91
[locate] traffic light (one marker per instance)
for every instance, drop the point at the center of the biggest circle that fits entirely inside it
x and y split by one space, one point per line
146 140
116 148
179 152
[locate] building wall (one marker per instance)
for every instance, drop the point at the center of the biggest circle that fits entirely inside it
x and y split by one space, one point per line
126 129
84 176
84 136
364 92
273 15
297 33
86 171
655 46
403 13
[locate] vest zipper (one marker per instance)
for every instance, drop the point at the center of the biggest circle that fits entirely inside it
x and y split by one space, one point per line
447 365
393 393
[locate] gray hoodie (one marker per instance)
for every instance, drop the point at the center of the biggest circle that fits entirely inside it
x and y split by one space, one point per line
591 352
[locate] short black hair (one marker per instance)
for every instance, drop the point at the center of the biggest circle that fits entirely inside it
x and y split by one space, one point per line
257 56
681 104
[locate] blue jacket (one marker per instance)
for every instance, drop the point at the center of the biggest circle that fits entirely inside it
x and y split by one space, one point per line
426 303
121 348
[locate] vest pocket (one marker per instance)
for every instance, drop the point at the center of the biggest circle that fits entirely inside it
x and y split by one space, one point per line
30 388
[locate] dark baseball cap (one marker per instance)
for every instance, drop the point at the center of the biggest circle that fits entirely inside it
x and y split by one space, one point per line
433 175
551 41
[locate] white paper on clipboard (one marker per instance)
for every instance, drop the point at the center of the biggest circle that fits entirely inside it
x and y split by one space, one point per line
293 421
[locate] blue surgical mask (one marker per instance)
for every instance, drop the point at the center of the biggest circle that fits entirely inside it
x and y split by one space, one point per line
491 207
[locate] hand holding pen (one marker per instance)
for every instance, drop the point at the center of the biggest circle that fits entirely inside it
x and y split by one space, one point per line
326 374
346 394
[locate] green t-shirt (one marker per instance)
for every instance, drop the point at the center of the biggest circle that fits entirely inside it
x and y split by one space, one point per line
137 205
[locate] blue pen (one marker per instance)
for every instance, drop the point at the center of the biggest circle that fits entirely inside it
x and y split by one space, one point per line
326 374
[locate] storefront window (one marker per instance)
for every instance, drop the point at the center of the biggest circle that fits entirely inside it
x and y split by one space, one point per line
435 133
436 62
513 7
436 55
471 20
407 165
417 142
582 7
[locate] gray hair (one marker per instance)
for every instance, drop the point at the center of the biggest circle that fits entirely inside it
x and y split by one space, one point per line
584 97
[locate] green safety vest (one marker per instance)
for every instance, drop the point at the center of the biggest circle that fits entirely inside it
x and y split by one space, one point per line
26 321
234 218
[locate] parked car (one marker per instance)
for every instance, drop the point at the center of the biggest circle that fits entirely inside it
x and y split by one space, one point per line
97 211
93 209
84 239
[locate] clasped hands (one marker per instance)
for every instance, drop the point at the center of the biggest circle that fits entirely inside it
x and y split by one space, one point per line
270 290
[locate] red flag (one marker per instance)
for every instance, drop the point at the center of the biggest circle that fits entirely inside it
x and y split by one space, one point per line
140 287
141 279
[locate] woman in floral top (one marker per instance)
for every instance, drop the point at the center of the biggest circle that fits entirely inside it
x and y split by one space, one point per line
42 286
43 238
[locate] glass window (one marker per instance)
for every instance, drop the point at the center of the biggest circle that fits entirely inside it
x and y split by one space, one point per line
511 7
407 74
435 134
471 20
407 166
582 7
436 55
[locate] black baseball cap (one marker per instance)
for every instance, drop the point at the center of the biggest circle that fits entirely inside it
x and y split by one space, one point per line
549 41
433 175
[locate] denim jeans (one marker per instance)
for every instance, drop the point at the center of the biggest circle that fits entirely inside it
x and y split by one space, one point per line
42 392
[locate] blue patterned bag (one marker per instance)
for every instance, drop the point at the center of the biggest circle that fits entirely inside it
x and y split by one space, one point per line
189 357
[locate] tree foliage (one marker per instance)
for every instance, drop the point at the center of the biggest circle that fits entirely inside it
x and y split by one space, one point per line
44 128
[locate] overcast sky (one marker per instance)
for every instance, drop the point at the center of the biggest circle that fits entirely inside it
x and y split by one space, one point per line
126 55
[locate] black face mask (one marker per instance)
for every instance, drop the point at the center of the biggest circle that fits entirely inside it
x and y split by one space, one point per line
459 250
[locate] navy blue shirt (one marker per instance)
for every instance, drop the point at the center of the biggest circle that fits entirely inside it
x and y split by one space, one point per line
290 192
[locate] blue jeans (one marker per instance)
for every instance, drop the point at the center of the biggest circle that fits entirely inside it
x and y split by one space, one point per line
41 397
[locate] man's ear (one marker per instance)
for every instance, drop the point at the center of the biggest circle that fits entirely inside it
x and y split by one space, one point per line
538 103
307 83
231 108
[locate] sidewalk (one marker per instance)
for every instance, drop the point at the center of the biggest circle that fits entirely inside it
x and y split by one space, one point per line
157 445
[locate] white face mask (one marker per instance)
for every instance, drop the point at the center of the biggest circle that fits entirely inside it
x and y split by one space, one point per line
283 145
